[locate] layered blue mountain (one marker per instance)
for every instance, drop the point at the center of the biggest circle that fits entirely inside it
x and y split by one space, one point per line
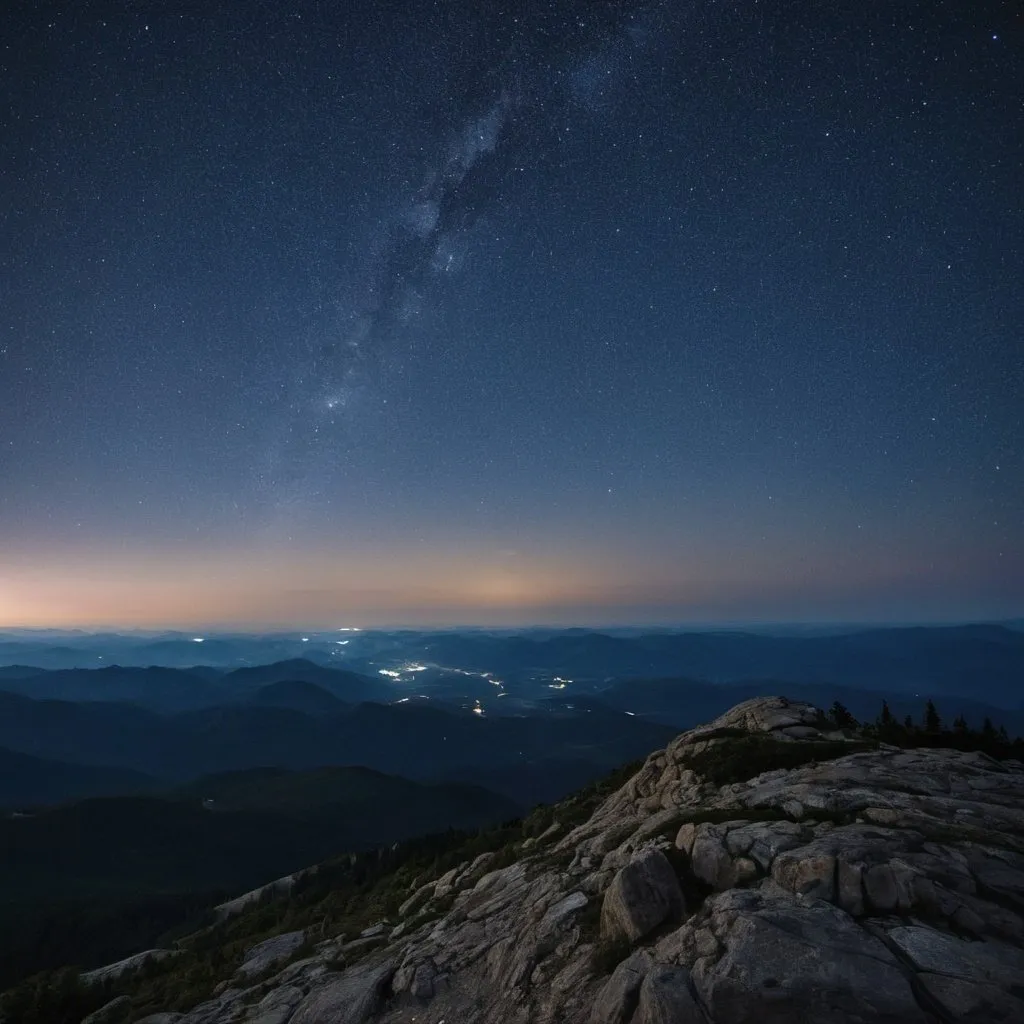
296 695
986 661
27 781
415 740
175 689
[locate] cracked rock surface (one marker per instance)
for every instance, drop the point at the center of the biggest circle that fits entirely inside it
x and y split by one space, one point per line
880 885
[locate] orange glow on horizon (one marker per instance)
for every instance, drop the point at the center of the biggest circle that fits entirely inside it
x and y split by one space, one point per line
280 589
438 586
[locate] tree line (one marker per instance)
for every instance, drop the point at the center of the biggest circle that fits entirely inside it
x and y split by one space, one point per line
930 730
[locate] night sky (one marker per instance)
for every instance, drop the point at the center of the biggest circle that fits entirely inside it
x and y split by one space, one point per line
469 312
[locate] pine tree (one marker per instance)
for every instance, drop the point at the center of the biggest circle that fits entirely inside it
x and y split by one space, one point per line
908 723
960 725
885 719
840 717
932 722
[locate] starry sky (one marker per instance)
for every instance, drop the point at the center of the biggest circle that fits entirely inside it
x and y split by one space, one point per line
554 311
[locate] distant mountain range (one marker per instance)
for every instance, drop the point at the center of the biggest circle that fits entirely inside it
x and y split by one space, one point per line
173 689
415 740
683 703
298 696
536 714
986 661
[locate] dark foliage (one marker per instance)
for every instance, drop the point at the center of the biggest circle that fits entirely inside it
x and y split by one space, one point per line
92 882
737 760
840 717
988 739
103 929
885 719
58 997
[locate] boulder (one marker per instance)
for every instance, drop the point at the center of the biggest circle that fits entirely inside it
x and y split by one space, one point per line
618 997
109 1012
423 978
643 895
666 997
710 859
417 900
277 1006
973 1002
349 998
806 873
686 836
258 958
880 888
561 911
786 959
850 887
130 963
934 951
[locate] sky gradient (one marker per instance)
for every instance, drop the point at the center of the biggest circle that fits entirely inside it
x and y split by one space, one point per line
567 312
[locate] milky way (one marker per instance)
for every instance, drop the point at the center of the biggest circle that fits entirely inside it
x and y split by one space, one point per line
565 311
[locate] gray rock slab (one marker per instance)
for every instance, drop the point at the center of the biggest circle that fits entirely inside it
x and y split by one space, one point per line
789 960
277 1006
130 963
109 1011
349 998
272 951
971 1002
666 997
618 997
938 953
643 895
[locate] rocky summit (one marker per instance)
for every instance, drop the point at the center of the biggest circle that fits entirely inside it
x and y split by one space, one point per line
767 867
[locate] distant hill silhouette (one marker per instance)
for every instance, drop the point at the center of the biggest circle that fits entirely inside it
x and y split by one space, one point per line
176 689
683 703
382 807
348 686
298 696
109 873
26 781
941 660
416 740
165 689
19 672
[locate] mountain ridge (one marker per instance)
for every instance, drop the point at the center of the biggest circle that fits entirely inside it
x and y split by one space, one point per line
422 742
775 864
938 660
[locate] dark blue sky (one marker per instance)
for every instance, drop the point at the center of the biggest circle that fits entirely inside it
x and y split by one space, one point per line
535 312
